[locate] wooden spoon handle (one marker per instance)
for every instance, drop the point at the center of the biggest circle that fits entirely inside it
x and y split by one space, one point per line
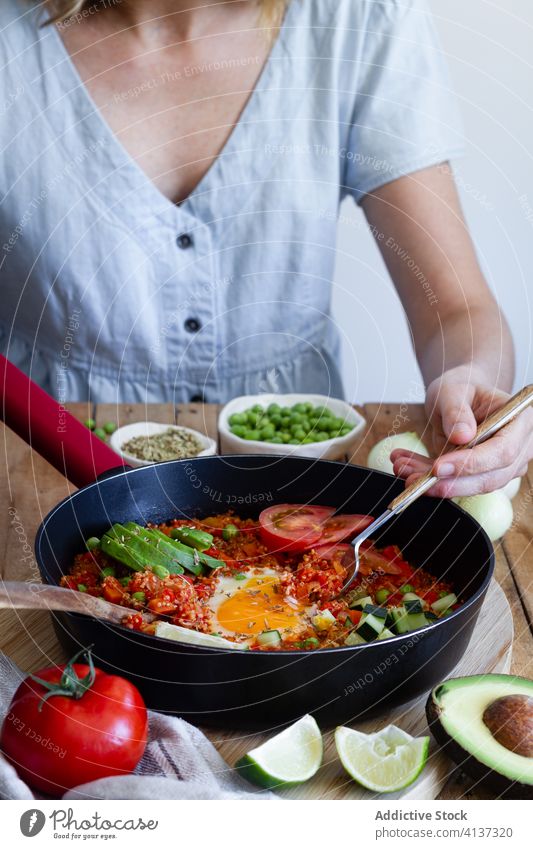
493 423
34 596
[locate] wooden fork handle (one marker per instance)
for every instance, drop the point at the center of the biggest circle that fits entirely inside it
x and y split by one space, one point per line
34 596
492 424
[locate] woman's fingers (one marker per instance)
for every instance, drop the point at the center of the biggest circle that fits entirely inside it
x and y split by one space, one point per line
453 407
507 449
473 471
475 485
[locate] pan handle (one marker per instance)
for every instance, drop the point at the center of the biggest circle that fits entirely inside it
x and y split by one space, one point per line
51 430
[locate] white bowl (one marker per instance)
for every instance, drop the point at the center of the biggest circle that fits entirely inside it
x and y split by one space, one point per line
124 434
329 449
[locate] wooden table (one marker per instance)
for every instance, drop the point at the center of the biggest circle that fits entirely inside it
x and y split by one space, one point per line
30 488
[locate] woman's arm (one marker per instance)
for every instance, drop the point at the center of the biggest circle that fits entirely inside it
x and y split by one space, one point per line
461 339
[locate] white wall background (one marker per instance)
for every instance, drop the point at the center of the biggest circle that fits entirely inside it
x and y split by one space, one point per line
489 48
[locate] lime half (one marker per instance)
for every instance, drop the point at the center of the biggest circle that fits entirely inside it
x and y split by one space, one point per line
384 762
292 756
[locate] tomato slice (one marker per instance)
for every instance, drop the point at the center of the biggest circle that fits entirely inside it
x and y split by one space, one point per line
344 526
338 555
293 527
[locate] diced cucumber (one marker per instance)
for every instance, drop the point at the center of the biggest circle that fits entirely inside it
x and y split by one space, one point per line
411 597
399 618
359 603
323 620
413 605
380 612
416 620
354 639
370 627
385 634
358 592
442 604
269 638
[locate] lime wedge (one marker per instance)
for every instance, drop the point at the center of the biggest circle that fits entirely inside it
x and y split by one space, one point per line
289 758
384 762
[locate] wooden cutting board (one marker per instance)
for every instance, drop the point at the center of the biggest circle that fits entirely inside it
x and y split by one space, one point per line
489 651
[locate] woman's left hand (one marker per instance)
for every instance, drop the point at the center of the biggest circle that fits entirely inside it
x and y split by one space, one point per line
455 403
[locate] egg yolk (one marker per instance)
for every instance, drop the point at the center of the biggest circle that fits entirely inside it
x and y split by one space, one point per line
259 606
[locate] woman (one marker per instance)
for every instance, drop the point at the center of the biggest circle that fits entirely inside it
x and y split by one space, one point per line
172 177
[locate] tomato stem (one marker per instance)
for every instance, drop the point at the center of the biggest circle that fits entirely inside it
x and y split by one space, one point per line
69 684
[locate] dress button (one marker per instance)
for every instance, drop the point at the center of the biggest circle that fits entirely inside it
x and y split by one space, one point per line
197 399
192 325
185 241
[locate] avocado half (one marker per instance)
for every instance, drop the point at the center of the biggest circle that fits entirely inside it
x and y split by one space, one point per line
485 724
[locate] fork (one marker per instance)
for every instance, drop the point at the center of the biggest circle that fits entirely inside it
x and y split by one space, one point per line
492 424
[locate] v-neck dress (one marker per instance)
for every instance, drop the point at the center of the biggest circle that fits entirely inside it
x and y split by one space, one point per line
111 292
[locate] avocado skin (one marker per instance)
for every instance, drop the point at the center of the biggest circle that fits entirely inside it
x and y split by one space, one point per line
500 784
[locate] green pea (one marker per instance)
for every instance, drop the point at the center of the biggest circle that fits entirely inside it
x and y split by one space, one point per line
92 543
125 581
346 430
159 571
100 433
252 418
230 532
273 409
306 424
311 642
443 593
299 434
299 408
268 432
276 420
139 596
257 408
252 434
307 441
82 588
294 441
285 436
90 423
110 427
321 436
239 430
296 418
237 419
382 596
407 588
276 440
108 572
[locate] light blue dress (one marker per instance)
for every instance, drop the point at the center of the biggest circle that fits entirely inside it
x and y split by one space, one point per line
110 291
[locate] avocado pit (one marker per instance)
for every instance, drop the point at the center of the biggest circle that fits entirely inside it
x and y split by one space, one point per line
510 721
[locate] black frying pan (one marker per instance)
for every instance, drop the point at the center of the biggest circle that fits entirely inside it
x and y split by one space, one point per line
239 688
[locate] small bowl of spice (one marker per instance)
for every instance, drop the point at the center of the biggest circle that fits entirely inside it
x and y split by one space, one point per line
144 443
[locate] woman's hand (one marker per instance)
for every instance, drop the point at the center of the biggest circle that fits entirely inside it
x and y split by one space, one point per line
455 403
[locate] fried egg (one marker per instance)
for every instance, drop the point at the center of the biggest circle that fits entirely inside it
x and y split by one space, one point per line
244 605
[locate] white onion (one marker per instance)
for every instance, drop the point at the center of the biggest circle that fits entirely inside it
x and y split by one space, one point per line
511 488
379 456
493 511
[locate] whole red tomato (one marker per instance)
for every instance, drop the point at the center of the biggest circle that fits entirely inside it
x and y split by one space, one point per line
72 724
